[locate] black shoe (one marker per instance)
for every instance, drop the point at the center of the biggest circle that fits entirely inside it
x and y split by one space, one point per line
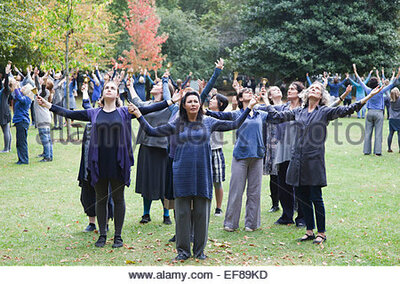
90 228
202 256
101 241
280 222
145 219
319 239
107 228
306 237
173 239
273 209
118 242
218 212
41 155
167 220
46 160
300 224
181 257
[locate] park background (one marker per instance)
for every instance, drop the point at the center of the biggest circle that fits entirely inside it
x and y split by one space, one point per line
42 219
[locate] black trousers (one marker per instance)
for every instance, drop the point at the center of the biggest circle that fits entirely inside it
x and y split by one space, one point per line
274 188
287 197
88 200
117 193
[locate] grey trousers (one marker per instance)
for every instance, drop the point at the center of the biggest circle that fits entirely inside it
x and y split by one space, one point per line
7 136
373 120
250 170
201 218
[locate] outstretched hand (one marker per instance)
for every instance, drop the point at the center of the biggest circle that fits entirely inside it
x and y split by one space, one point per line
132 109
219 64
177 96
376 91
42 102
254 100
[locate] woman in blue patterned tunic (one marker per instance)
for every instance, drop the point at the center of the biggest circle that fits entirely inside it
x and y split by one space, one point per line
192 168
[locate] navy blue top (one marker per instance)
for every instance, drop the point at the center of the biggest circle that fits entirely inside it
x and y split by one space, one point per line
125 153
109 127
21 107
249 136
191 167
334 88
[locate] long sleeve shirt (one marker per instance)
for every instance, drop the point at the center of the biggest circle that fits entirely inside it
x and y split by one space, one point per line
192 168
377 101
249 136
334 88
307 162
125 153
21 107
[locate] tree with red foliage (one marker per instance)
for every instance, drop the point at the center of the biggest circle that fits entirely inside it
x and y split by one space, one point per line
142 24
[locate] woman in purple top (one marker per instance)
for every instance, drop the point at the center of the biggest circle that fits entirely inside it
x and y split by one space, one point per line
110 156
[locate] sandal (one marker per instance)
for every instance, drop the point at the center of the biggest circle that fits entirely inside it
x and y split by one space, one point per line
306 237
319 239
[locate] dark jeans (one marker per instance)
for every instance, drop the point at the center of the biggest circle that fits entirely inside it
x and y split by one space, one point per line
287 197
117 192
22 141
308 196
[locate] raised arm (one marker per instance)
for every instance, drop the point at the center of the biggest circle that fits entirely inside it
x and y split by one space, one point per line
219 65
224 125
224 115
81 115
308 80
187 80
342 97
366 89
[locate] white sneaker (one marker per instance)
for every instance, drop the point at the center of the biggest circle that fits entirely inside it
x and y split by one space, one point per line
247 229
228 229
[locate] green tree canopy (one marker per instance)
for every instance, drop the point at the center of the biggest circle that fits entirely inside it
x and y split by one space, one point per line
189 46
289 38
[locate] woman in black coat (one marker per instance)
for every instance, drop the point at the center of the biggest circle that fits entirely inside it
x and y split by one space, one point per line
306 171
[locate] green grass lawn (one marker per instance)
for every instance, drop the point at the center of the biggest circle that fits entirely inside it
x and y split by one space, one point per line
42 218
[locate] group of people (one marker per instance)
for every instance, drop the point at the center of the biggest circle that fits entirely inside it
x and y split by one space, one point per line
181 157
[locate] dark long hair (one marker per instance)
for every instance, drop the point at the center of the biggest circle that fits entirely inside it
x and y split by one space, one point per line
240 95
182 111
299 87
222 101
373 82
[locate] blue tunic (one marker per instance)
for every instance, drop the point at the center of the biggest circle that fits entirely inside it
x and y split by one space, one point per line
191 167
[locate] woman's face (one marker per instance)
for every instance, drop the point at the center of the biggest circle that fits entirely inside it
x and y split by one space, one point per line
157 89
315 91
292 93
110 91
213 105
247 95
275 93
192 105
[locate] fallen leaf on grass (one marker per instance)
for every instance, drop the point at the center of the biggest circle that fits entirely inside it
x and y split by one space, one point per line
68 248
130 262
301 255
64 260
